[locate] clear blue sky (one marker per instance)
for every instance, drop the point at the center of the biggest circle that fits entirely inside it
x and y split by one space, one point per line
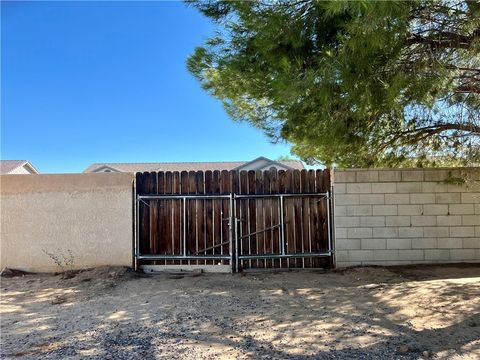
85 82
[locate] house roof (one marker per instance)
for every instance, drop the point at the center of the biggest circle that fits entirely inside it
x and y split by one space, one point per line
7 166
184 166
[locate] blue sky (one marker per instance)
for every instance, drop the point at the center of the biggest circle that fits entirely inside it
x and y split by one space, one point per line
85 82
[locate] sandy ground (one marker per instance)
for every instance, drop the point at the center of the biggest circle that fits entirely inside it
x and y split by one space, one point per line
363 313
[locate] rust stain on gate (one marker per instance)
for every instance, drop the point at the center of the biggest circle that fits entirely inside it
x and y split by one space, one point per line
254 219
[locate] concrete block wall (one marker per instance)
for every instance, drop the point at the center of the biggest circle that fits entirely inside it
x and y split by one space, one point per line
88 215
406 216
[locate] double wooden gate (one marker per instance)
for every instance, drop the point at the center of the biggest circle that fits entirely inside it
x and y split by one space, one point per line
235 220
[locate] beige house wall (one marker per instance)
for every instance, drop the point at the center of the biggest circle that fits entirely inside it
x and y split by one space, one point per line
408 216
89 215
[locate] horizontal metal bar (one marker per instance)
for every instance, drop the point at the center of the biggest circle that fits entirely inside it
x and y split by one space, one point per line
253 196
260 231
179 197
281 256
181 257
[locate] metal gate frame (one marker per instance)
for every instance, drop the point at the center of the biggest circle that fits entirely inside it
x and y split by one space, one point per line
283 254
184 256
234 255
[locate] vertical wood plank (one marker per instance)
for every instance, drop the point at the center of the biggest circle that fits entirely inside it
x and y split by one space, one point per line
282 184
252 219
184 189
176 214
167 234
298 219
260 241
225 186
192 216
208 216
290 219
200 218
267 215
243 216
305 188
275 217
217 215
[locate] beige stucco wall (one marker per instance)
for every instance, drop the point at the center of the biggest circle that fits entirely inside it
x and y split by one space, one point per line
87 214
406 216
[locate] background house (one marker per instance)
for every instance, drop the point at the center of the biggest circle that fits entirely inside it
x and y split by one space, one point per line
16 167
261 163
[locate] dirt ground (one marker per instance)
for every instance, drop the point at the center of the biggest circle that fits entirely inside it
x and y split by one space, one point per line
362 313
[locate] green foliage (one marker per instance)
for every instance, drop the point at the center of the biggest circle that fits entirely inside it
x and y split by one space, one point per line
352 83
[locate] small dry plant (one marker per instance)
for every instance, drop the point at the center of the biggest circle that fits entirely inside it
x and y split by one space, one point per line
64 260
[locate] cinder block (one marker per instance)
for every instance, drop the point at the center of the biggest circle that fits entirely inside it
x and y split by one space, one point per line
385 209
359 210
410 254
384 188
373 221
410 209
359 188
451 188
422 198
471 243
360 255
477 231
424 220
340 188
345 264
449 243
399 243
372 198
470 219
373 244
462 231
435 209
341 256
344 176
346 199
347 221
340 210
473 198
397 198
386 255
435 175
410 232
340 233
448 198
347 244
398 221
461 209
434 187
449 220
437 231
409 187
389 175
462 254
412 175
367 176
359 233
385 232
476 209
437 254
424 243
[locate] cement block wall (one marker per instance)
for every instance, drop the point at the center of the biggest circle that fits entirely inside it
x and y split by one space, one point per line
406 216
87 214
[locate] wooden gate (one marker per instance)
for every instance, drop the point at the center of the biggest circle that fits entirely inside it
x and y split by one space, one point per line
230 220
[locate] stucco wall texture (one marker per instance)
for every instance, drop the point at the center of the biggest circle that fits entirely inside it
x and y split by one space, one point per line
89 215
407 216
